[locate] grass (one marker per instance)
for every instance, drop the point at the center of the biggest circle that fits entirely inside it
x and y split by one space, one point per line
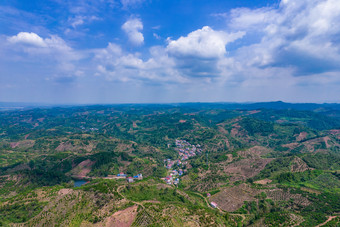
20 211
143 192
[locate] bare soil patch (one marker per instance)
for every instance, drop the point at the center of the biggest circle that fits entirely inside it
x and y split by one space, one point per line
235 130
244 168
65 191
326 139
298 165
285 195
122 218
254 152
65 146
263 182
290 145
22 143
82 169
334 131
231 199
301 136
310 190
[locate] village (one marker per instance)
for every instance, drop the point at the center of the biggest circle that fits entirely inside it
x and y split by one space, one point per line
176 168
124 176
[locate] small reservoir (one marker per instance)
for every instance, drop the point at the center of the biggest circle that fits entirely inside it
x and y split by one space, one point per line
78 183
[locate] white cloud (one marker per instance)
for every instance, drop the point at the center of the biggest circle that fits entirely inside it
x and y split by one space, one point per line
132 28
156 36
57 55
117 65
80 20
202 43
299 34
28 38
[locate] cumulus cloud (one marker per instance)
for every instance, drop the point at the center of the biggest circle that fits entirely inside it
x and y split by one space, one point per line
53 50
202 53
52 47
203 43
301 35
117 65
28 38
132 28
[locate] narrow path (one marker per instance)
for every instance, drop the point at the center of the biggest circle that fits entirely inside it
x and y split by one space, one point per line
205 199
241 215
221 211
119 193
330 218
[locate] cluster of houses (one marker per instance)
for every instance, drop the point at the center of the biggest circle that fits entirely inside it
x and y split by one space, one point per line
186 150
174 174
171 180
91 129
171 163
129 179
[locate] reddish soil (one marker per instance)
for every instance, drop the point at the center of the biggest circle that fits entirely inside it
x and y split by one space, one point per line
182 121
64 146
298 165
122 218
67 146
301 136
41 119
263 182
22 143
253 112
65 191
334 131
82 169
254 152
231 199
290 145
235 130
245 168
326 139
284 195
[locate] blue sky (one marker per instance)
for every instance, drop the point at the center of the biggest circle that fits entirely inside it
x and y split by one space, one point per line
131 51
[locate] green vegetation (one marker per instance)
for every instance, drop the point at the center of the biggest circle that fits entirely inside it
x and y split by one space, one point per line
294 152
146 192
19 212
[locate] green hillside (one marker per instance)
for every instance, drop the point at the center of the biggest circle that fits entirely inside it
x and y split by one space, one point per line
261 166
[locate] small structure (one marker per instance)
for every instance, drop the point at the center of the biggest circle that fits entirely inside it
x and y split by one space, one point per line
168 180
138 176
176 181
130 179
121 174
208 195
213 204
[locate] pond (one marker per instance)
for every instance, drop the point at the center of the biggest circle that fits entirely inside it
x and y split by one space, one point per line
78 183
